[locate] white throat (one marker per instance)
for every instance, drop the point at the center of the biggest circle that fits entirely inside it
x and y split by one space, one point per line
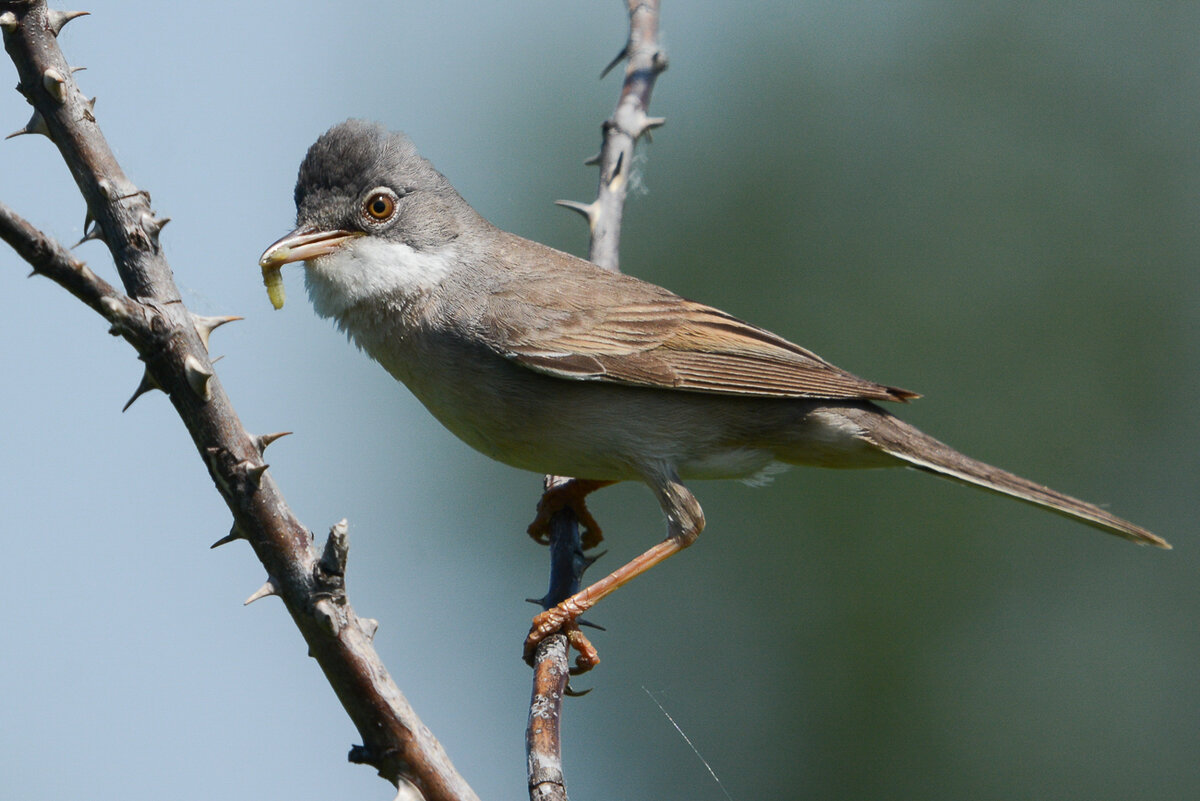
370 267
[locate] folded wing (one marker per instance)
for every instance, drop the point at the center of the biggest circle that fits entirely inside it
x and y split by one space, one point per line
605 327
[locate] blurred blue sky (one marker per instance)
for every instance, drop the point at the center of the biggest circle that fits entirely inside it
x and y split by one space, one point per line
992 203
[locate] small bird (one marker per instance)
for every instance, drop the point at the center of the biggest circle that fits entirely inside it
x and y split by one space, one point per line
549 363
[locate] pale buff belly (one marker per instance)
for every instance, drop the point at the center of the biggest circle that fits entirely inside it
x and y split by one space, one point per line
606 431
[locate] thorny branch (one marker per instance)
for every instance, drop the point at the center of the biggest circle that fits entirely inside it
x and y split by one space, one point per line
628 123
173 343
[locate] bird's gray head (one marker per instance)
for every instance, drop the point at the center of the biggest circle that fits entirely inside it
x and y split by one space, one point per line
360 177
372 216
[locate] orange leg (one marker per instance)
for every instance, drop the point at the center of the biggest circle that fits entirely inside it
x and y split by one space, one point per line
685 521
570 495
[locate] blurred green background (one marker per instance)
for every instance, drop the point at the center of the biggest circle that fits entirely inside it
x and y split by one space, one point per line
993 203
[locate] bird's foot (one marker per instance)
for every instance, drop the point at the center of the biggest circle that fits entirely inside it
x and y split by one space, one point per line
571 495
563 619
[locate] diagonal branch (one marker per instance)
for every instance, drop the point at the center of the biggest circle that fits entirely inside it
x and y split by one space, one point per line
645 60
49 258
173 343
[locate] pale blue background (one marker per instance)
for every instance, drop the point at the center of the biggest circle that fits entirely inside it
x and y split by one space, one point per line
992 203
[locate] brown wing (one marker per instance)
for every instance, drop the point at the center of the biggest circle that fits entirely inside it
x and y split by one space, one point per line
607 327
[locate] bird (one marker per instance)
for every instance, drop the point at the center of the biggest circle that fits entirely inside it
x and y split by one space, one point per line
546 362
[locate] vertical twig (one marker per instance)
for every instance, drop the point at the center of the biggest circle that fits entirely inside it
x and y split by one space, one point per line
620 133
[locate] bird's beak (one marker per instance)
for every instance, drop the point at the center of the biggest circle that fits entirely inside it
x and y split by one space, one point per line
306 242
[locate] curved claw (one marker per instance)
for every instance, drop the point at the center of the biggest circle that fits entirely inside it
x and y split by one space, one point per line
588 657
570 495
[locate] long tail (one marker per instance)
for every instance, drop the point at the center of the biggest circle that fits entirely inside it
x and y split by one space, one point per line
923 452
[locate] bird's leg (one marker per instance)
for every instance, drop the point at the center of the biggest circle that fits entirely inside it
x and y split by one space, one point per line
685 521
571 495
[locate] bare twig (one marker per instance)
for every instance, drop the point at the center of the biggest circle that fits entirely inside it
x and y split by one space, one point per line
173 343
542 735
629 122
622 130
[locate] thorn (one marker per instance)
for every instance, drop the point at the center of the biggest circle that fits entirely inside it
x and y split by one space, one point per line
263 440
649 124
58 19
407 791
36 125
154 225
89 113
147 384
268 588
368 626
583 208
235 533
8 22
206 325
74 70
198 377
616 60
588 210
90 234
255 473
55 84
592 161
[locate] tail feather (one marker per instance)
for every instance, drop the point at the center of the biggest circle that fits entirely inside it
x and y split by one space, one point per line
923 452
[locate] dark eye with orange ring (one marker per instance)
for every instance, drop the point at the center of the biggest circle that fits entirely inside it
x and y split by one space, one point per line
380 205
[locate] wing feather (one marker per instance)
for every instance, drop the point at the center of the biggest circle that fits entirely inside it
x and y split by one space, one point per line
603 326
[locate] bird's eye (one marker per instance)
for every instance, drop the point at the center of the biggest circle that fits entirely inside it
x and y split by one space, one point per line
380 205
